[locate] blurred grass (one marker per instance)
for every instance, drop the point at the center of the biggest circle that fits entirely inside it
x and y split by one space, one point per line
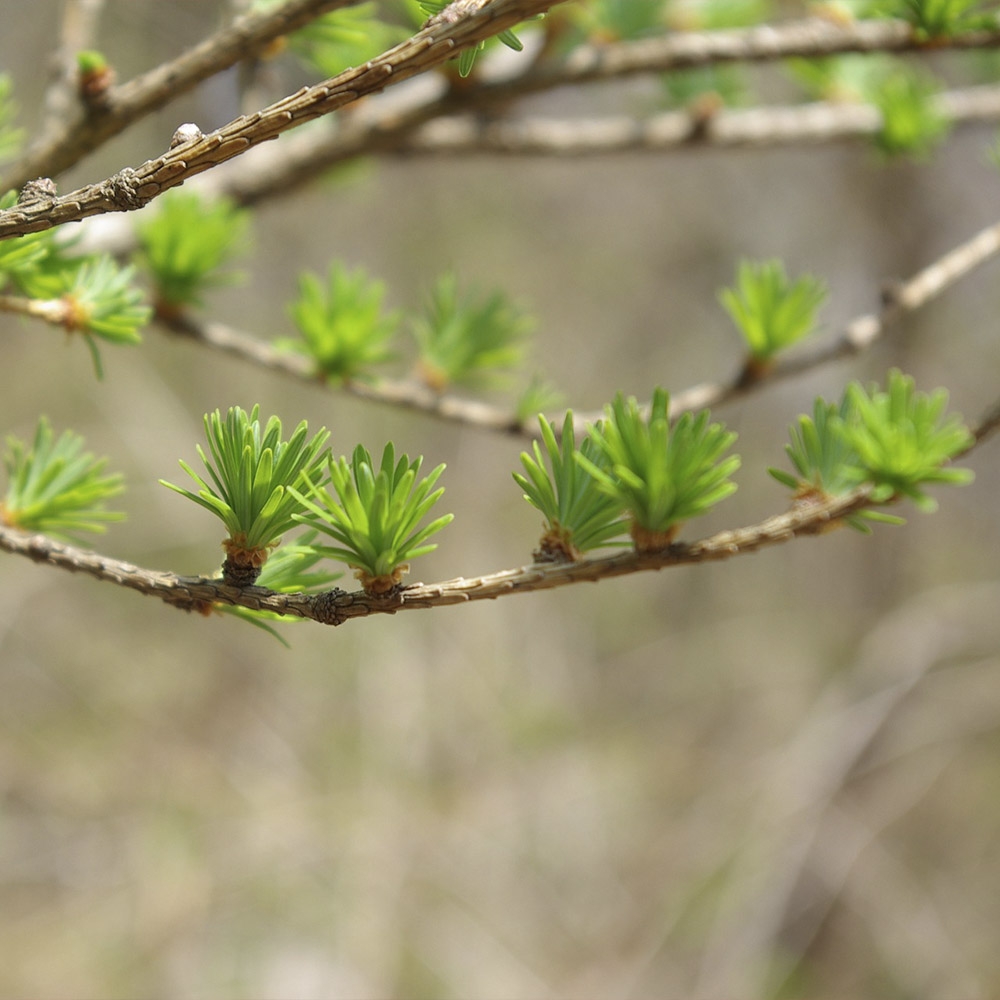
616 791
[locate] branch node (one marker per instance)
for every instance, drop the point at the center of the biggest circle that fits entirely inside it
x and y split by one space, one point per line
327 607
122 191
41 188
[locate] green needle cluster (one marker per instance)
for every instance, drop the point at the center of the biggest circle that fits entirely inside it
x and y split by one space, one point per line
771 311
103 300
251 472
911 121
660 475
342 323
468 339
903 439
940 18
897 439
374 514
578 515
186 245
56 487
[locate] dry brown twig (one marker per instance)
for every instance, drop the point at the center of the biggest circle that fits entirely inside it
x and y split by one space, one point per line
467 22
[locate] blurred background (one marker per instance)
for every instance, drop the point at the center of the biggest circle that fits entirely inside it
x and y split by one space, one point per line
769 777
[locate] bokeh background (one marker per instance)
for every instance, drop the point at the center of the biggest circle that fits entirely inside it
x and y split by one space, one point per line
770 777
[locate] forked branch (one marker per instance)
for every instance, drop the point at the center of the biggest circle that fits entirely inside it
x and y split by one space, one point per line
131 188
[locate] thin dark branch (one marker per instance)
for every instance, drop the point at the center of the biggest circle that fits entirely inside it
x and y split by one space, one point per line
335 607
131 189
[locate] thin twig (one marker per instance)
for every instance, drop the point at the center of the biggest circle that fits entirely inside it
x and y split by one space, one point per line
900 300
404 393
131 189
858 336
79 24
794 125
59 149
336 606
808 39
52 311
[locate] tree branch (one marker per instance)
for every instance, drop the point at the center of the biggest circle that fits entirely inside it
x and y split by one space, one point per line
132 188
818 122
79 22
405 393
60 148
899 300
808 39
336 606
388 131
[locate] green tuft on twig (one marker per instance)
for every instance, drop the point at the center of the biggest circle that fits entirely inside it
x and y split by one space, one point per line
897 439
252 472
374 514
56 487
186 246
468 339
771 311
344 327
579 516
660 475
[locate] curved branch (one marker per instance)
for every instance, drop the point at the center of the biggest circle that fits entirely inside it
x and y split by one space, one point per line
899 300
336 606
404 393
442 37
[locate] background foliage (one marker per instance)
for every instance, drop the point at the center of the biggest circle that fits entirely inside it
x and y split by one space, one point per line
658 786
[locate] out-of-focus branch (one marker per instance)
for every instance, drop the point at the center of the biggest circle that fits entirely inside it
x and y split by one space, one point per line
79 23
820 122
60 148
405 393
899 300
52 311
808 39
450 126
130 189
